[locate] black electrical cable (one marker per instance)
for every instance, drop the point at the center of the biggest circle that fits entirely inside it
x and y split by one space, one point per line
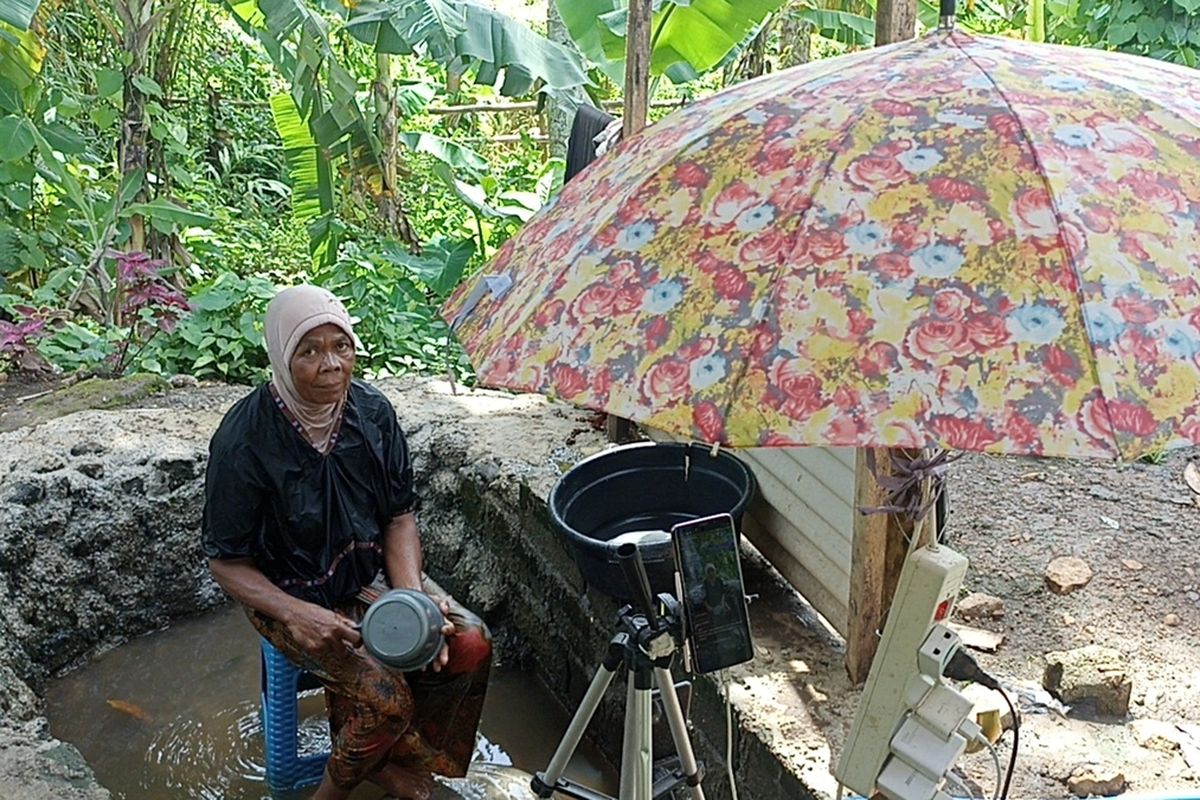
1012 757
963 668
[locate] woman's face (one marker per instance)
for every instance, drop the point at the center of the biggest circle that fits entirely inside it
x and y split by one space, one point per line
323 364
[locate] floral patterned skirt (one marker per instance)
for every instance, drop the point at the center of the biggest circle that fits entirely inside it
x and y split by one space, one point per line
423 720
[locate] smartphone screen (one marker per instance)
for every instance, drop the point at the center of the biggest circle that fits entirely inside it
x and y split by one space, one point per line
712 593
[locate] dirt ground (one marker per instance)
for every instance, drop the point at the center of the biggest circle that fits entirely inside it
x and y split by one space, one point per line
1134 524
1136 527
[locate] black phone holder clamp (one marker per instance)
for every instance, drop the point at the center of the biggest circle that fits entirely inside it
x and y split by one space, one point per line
644 646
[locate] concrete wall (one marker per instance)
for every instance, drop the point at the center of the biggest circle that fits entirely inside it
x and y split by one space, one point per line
99 541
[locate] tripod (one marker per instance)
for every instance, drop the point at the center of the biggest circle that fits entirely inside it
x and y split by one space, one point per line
645 644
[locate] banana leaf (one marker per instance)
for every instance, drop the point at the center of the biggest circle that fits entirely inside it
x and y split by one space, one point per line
689 37
466 32
840 26
21 56
18 13
309 170
454 155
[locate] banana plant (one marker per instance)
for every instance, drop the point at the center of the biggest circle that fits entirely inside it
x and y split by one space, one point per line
18 13
462 35
688 37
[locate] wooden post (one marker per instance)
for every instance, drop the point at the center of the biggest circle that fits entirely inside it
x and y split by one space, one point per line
895 20
878 547
637 67
637 100
877 554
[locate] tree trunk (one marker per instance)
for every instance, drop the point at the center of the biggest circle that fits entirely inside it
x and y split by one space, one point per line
137 26
561 109
895 21
795 38
388 201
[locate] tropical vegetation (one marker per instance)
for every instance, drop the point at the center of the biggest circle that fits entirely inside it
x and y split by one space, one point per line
164 165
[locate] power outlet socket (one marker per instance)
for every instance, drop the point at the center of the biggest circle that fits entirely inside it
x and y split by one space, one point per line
928 586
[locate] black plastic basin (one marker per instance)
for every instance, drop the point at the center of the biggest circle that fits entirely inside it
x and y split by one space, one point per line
643 487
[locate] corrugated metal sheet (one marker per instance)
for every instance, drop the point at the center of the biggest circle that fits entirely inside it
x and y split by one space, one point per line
803 520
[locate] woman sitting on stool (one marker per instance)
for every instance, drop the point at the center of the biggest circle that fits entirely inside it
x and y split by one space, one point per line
308 516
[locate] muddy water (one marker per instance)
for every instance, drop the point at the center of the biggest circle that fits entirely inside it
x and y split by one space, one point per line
174 716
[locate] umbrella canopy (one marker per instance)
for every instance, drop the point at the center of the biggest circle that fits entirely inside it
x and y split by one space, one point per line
957 241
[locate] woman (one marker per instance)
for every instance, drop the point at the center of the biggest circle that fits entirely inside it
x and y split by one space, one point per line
308 510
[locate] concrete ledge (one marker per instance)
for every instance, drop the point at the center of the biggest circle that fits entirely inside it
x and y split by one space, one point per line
99 518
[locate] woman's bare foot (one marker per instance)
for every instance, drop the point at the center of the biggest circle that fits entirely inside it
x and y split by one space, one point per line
405 784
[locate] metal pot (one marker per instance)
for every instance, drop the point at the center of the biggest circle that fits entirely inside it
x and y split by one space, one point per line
403 629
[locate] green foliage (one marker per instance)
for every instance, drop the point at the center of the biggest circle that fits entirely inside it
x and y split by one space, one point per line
689 37
1162 29
392 296
222 336
464 34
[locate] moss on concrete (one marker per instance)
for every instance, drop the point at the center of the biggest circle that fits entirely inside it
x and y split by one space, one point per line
84 395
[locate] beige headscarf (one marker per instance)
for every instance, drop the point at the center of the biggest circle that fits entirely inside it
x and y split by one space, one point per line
290 315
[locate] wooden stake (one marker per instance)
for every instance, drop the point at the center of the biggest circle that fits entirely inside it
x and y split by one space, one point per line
879 544
637 100
637 67
895 21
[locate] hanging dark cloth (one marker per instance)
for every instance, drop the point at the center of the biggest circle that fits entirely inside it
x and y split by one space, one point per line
581 145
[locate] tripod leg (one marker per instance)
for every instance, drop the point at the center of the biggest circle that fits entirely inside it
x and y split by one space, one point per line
637 757
579 723
683 745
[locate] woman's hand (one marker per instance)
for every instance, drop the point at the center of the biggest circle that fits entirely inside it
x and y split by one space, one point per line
318 630
448 630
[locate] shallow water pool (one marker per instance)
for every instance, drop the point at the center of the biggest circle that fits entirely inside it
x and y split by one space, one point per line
173 715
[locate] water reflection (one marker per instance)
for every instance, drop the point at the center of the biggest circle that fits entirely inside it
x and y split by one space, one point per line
174 716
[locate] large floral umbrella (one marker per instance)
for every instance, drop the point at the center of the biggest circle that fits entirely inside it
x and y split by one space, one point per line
958 241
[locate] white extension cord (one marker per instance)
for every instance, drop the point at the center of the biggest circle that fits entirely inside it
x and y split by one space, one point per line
725 686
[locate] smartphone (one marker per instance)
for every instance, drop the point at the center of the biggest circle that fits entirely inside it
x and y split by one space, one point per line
709 581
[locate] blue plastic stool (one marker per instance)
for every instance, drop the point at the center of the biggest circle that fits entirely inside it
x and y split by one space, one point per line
282 681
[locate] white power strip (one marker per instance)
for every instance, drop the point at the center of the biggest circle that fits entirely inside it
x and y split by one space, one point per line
925 595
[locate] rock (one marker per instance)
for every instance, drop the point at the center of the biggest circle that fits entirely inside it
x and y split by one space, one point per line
92 470
25 493
1132 565
88 449
1095 676
49 462
978 638
1157 735
183 382
1102 493
978 605
1065 574
1171 620
1093 780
